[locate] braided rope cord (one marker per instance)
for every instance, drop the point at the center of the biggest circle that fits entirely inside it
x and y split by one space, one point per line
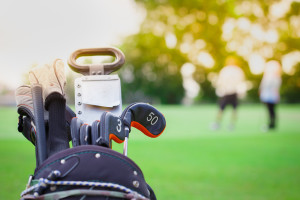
76 192
44 182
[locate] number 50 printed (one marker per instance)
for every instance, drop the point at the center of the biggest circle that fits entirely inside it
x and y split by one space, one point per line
152 118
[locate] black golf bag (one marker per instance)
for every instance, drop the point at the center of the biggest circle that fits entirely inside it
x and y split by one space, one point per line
88 172
91 169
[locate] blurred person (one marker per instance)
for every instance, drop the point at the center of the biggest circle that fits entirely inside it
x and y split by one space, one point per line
269 89
228 88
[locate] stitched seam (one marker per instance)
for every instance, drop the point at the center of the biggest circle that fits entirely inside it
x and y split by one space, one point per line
25 105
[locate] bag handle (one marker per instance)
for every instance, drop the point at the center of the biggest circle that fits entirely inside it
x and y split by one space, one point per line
97 69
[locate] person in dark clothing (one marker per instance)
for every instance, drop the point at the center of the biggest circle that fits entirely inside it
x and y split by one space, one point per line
269 90
230 79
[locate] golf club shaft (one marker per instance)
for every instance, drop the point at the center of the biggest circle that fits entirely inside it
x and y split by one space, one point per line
38 108
125 146
125 149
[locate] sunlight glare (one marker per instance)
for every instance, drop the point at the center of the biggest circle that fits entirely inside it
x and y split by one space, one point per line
289 61
256 63
205 59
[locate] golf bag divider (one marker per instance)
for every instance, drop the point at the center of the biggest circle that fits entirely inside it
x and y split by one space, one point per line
97 94
97 91
91 163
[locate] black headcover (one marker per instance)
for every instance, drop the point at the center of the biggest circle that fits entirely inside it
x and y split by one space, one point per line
111 128
76 124
144 117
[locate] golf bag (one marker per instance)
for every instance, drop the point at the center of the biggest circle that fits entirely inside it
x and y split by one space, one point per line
91 169
88 172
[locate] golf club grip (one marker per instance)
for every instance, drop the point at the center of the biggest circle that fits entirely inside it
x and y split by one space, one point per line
38 108
108 67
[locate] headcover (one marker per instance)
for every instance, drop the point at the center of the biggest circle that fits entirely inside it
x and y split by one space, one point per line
145 118
111 128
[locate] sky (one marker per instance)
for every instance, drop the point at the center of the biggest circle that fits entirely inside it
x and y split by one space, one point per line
36 32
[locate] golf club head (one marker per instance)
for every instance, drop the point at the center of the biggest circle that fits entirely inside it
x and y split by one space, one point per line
111 128
75 131
145 118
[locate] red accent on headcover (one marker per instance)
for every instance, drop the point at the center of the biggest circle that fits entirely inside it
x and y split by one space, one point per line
144 130
115 138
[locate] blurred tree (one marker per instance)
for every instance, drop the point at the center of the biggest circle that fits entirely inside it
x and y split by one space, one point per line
204 33
151 74
290 91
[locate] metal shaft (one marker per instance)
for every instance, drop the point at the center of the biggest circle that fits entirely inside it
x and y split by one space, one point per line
125 148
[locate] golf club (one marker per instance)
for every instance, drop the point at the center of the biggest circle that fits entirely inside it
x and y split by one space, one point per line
95 132
111 128
75 131
85 134
143 117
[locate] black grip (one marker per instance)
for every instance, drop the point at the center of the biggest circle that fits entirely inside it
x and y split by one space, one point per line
38 107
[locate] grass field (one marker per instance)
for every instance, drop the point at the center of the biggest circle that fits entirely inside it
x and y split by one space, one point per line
189 161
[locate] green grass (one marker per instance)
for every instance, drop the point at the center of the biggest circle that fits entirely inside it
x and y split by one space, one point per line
189 161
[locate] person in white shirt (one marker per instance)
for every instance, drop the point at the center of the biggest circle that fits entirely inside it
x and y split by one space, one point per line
269 89
229 86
